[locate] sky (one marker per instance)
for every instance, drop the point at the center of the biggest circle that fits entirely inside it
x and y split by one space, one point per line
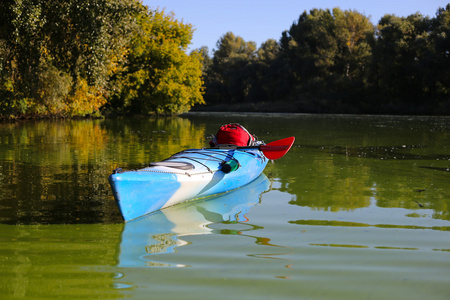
260 20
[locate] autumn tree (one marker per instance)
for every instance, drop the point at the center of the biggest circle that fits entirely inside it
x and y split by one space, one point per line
60 54
74 57
160 76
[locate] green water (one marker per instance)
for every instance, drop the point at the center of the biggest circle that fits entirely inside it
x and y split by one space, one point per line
358 209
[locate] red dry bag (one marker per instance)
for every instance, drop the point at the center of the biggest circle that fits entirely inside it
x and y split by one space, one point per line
234 134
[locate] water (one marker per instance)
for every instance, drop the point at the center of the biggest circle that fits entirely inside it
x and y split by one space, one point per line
358 209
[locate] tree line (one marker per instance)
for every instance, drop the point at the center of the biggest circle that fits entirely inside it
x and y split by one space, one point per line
335 61
92 57
79 57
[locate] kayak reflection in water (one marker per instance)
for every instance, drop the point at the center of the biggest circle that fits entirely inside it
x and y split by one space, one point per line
161 231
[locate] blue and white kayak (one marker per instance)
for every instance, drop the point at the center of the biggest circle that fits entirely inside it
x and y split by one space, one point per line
192 174
187 175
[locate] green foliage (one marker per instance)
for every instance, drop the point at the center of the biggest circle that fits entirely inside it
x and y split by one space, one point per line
160 77
439 75
54 87
354 33
412 61
206 59
268 51
74 57
337 61
327 51
231 47
230 76
78 57
400 53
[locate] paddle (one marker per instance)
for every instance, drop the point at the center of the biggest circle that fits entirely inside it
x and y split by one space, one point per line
276 149
272 150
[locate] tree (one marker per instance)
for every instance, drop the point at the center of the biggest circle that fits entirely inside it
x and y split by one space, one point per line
160 77
355 34
228 78
206 58
89 40
326 54
62 53
231 47
26 41
268 51
8 67
438 75
309 48
72 57
401 59
268 71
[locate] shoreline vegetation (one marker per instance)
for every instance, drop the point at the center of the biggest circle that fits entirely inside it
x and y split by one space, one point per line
96 59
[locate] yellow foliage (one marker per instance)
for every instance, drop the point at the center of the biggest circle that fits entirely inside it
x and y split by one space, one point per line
84 100
166 79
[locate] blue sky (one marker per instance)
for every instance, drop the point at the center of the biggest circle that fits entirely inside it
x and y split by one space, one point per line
260 20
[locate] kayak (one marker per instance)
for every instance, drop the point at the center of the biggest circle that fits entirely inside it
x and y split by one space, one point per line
190 174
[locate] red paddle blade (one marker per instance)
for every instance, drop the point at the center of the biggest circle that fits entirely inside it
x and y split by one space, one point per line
277 149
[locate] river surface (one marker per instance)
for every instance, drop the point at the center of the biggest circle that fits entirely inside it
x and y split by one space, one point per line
358 209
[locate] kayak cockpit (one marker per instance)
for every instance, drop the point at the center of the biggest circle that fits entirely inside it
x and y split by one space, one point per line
181 165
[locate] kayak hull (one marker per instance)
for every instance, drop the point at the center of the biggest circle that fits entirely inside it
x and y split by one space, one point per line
164 184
